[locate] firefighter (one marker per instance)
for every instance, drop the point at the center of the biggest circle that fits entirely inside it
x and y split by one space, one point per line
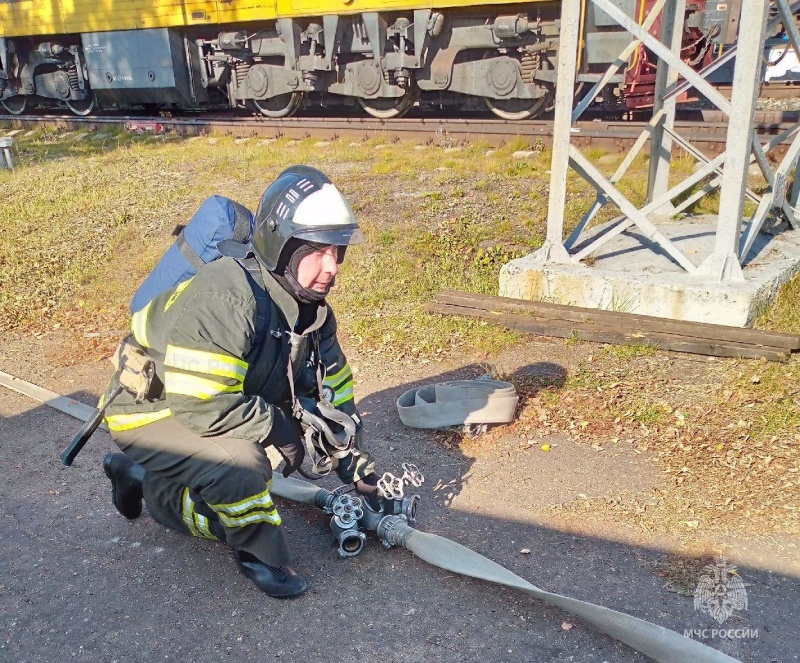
231 347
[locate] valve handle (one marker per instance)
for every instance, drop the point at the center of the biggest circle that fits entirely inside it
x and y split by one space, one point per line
347 509
390 487
412 475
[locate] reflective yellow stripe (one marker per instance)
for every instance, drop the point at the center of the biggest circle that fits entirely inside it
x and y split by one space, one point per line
139 326
188 512
178 290
120 422
344 394
199 361
259 516
204 527
343 374
263 499
341 383
190 385
198 524
255 509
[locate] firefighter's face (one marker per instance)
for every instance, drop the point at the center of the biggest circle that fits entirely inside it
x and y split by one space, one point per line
317 270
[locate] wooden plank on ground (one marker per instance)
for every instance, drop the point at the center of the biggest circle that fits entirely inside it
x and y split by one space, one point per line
619 320
582 331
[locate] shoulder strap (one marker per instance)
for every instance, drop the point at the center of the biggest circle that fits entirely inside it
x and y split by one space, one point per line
241 222
256 279
192 257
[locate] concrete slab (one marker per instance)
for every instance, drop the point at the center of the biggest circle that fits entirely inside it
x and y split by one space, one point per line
632 274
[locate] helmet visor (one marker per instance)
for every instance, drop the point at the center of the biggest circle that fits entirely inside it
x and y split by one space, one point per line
332 236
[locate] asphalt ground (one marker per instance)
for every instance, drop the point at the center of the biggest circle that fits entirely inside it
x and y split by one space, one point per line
78 582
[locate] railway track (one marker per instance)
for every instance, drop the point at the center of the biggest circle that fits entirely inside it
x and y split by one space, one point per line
708 132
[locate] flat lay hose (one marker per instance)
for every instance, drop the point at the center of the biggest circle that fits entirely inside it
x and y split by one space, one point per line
654 641
658 643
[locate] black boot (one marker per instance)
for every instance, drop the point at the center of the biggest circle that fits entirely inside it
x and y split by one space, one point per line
126 484
279 582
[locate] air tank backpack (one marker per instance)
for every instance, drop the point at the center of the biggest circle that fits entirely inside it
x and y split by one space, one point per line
217 220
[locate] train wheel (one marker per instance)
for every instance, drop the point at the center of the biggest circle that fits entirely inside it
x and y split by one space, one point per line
387 109
16 104
82 106
517 109
281 106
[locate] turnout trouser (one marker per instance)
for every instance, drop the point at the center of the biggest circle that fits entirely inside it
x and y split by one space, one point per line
214 487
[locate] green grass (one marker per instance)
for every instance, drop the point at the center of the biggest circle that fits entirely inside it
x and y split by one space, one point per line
784 314
84 222
403 269
771 398
650 412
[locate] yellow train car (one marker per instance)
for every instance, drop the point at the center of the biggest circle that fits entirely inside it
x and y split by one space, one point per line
273 56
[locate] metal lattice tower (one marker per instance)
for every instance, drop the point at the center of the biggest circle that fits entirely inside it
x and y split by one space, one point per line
728 171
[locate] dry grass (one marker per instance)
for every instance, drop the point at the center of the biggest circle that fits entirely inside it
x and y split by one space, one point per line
723 433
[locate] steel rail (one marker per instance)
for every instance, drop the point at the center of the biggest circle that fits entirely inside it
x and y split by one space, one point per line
614 135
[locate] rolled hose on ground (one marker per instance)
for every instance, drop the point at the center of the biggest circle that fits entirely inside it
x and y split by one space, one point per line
655 641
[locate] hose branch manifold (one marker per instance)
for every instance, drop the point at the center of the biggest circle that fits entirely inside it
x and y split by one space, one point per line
389 515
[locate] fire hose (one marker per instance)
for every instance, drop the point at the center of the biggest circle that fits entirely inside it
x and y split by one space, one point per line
392 525
657 642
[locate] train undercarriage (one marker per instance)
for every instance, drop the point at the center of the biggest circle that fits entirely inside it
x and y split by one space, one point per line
383 61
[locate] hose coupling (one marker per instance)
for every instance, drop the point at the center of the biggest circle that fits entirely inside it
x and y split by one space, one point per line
393 531
324 500
346 512
406 507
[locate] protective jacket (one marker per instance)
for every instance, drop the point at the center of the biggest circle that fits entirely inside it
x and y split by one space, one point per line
222 344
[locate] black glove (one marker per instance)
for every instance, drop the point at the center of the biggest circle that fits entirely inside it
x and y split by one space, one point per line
286 436
368 489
